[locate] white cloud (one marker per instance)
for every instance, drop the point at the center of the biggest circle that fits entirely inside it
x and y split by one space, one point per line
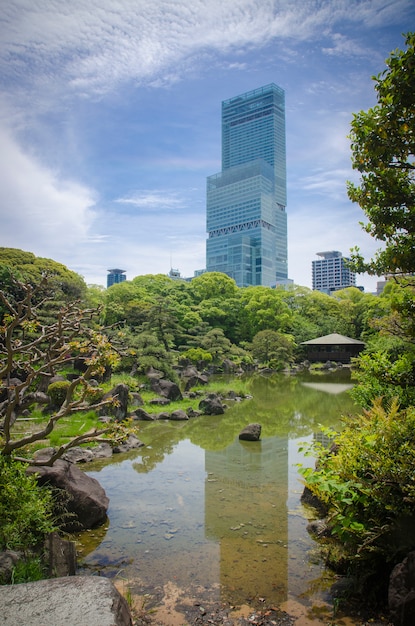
57 57
97 45
40 210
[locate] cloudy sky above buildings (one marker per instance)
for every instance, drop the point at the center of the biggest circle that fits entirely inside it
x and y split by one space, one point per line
110 121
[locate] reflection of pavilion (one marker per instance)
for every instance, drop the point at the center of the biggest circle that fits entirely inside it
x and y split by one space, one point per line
332 388
245 511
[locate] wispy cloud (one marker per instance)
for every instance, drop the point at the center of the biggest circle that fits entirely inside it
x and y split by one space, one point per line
94 47
154 200
64 64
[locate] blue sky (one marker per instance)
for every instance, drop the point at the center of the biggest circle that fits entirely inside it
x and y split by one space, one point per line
110 121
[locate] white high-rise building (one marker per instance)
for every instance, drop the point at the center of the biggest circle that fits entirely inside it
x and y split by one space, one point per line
331 273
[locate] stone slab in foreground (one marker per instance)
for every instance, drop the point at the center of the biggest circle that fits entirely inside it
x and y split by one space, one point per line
71 601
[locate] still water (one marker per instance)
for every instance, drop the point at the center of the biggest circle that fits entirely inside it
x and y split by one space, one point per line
198 507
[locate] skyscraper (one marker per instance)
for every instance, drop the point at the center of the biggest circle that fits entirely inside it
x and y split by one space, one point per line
245 212
115 276
331 273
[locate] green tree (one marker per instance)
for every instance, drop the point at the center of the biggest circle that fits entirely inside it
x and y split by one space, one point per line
212 285
27 268
273 348
264 309
383 151
32 352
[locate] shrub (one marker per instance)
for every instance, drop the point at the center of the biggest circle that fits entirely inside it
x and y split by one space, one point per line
367 480
57 392
25 508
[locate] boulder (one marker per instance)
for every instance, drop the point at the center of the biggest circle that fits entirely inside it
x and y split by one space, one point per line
179 415
164 415
212 405
136 399
8 561
68 601
160 401
166 388
229 366
318 528
102 451
401 593
120 393
87 503
78 455
131 443
141 414
196 381
308 498
154 374
252 432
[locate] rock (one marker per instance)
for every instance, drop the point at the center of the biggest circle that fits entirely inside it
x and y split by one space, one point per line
164 415
87 501
308 498
401 593
179 415
212 405
154 374
196 381
8 560
131 443
318 528
43 454
167 389
136 399
192 413
102 451
160 401
229 366
190 371
141 414
252 432
69 601
78 455
60 556
120 393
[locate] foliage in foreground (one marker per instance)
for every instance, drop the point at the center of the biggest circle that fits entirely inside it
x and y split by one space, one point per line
367 481
32 352
383 149
25 508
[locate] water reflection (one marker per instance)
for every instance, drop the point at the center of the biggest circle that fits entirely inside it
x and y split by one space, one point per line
199 507
245 504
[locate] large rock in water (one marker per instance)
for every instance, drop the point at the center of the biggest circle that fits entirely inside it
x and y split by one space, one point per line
87 501
69 601
252 432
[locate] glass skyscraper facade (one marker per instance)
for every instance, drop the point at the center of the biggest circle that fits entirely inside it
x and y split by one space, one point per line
245 216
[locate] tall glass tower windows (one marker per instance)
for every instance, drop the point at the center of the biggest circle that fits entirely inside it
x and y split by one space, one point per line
246 219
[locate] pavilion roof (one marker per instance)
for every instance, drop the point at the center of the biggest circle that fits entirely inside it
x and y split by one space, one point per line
333 339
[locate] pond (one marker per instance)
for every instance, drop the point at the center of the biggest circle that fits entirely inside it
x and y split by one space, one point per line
213 515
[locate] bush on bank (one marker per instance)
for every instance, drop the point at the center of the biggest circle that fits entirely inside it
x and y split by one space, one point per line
367 481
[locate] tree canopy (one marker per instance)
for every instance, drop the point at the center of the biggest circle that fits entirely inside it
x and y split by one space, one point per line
383 151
